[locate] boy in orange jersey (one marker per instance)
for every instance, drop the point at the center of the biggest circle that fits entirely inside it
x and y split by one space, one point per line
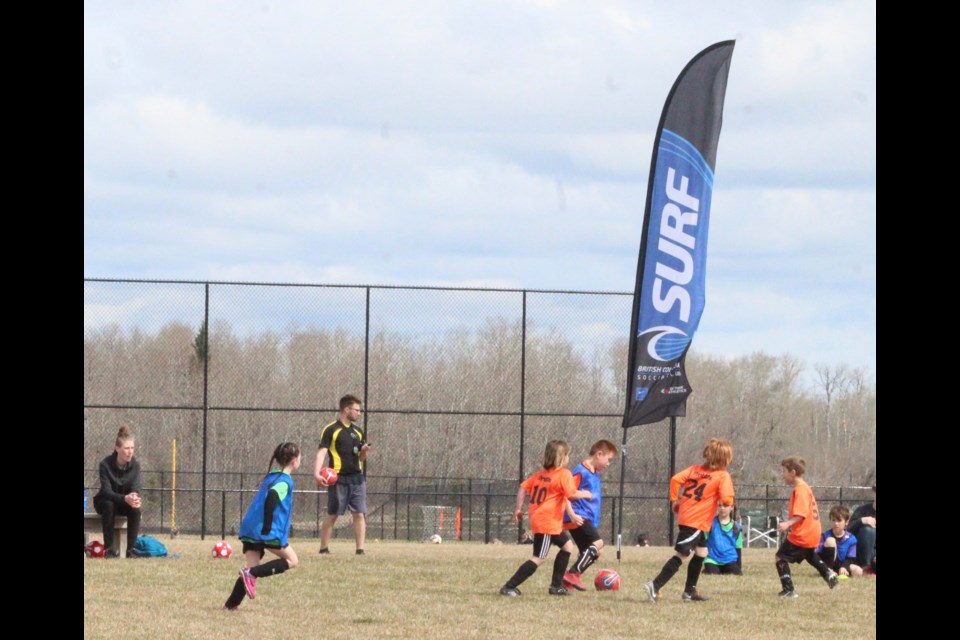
550 491
804 527
703 488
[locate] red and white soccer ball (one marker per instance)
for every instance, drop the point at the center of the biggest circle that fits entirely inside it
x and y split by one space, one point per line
94 549
222 550
329 475
607 580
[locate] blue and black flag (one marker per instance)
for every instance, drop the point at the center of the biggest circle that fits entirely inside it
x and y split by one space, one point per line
669 295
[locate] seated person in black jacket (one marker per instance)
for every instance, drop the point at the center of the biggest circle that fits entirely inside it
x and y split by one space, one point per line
119 494
863 524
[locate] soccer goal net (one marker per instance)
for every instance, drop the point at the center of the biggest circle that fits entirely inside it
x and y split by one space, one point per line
443 521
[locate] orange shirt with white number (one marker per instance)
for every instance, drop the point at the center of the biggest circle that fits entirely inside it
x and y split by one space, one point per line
806 533
700 490
548 489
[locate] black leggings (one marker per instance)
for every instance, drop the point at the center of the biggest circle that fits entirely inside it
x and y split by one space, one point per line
108 511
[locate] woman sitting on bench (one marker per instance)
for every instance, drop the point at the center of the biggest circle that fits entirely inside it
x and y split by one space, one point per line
119 494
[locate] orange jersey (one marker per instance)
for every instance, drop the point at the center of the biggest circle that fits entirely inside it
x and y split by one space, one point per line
700 490
806 533
548 489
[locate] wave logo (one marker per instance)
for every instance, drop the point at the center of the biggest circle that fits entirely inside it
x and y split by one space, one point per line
664 343
642 393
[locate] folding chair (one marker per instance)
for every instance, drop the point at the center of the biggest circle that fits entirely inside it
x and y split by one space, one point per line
760 527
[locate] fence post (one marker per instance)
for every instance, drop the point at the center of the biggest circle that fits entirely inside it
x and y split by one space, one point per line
486 519
396 505
613 519
162 493
223 514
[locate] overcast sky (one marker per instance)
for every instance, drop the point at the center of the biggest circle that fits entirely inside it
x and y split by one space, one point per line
496 144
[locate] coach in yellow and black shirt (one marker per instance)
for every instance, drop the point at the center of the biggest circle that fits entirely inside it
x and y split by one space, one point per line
347 448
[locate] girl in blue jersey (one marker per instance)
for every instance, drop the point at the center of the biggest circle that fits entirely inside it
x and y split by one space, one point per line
267 524
724 544
586 475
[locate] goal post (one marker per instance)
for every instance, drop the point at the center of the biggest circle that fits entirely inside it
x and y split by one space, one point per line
441 520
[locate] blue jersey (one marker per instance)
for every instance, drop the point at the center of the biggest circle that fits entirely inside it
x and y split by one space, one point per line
251 527
846 544
723 542
585 478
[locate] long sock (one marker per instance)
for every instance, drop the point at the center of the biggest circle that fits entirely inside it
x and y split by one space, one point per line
693 573
783 570
817 562
587 558
272 568
669 569
525 571
559 567
236 597
829 555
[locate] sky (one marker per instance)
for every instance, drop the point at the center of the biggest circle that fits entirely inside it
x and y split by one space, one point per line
500 144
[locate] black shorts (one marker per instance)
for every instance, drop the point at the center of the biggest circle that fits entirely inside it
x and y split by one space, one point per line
731 568
794 554
689 539
543 541
259 546
584 535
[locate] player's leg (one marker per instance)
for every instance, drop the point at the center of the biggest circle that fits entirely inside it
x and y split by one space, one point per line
334 511
358 506
541 547
246 584
565 542
829 575
690 591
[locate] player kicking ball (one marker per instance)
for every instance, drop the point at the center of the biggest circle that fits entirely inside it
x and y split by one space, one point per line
586 536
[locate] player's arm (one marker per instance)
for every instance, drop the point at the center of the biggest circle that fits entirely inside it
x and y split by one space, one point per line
318 464
273 499
575 518
726 490
518 510
786 524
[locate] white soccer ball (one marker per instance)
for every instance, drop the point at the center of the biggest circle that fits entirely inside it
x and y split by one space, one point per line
436 539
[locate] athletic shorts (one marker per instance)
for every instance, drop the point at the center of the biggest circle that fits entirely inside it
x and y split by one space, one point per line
794 554
543 541
689 539
584 535
341 497
731 568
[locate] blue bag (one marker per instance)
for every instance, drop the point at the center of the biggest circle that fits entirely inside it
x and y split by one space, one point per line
148 547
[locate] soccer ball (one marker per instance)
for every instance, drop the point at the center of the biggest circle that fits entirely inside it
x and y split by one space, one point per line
222 550
329 475
436 539
94 549
607 580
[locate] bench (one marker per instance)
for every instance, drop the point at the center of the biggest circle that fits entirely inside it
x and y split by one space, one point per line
93 530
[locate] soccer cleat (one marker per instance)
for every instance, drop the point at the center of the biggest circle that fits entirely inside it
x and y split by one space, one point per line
651 591
788 593
558 591
226 608
359 552
694 596
573 580
324 550
833 580
249 583
111 553
510 591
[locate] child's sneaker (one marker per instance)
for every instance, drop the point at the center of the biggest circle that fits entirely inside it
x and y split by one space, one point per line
249 583
558 591
694 596
833 580
788 593
573 580
513 592
651 591
226 608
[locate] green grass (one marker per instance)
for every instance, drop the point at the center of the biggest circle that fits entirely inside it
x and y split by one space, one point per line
417 591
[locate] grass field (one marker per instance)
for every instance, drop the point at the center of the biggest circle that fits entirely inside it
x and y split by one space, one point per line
418 591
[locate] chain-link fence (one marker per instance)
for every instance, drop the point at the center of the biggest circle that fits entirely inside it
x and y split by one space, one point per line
462 389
